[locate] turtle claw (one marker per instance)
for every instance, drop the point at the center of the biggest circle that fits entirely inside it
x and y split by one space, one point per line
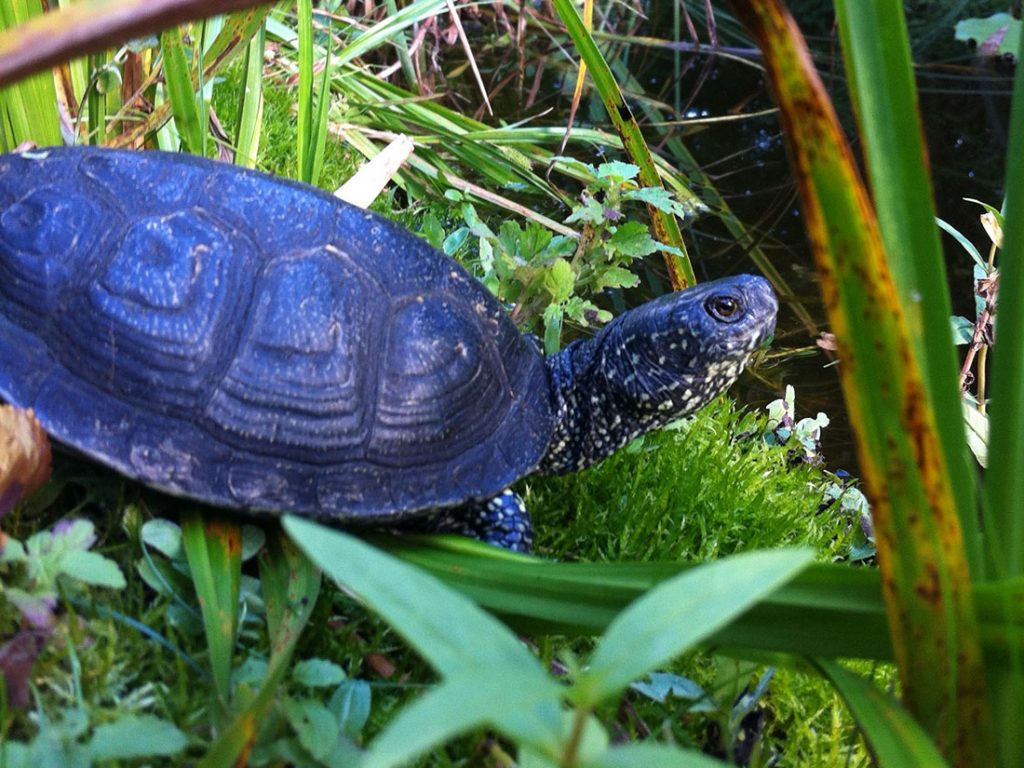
502 520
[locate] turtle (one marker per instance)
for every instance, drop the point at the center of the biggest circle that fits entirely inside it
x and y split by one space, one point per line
256 344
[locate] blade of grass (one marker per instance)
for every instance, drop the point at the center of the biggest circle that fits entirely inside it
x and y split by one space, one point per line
665 226
214 552
304 10
323 103
291 584
250 112
180 91
402 48
827 610
925 574
29 108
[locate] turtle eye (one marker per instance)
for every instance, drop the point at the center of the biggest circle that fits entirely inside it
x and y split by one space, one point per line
723 307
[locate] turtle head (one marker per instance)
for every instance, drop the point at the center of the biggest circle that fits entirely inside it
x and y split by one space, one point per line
674 354
654 364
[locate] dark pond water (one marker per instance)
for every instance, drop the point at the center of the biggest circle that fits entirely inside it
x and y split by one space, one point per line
965 107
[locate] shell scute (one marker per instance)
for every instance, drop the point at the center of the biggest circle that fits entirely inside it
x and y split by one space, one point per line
162 312
299 381
49 239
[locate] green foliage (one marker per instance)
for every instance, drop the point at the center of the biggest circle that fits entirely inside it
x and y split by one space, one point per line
488 676
71 740
31 570
998 34
552 278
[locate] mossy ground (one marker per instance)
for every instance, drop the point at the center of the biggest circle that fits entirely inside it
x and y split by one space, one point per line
709 488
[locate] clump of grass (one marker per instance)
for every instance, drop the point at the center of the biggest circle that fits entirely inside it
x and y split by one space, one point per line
278 153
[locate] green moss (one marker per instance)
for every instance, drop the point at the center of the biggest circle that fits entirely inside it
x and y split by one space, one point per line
707 489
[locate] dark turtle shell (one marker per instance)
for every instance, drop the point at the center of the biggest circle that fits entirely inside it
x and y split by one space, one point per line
255 343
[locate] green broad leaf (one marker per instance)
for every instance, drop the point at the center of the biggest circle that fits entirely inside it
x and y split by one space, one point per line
999 33
976 424
662 199
616 277
618 170
164 536
136 736
963 329
643 755
591 211
66 536
633 239
893 736
92 568
250 672
432 231
351 705
314 724
14 754
455 241
679 613
317 673
474 222
529 714
559 280
659 686
13 551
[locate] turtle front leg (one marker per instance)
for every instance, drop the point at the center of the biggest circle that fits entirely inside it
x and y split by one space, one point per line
502 520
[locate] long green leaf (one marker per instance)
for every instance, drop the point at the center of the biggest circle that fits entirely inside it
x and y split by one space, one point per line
1005 481
877 57
680 613
214 551
894 738
304 10
250 112
290 585
181 91
827 610
925 574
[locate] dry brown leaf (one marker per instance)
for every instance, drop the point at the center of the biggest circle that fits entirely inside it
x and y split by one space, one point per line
17 656
24 456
